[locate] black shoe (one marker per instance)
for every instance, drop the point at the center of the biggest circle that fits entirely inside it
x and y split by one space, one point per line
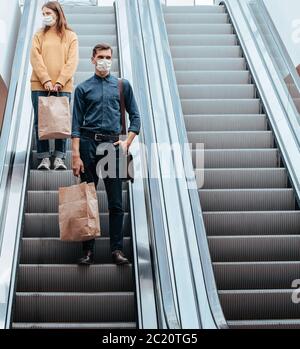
119 258
87 259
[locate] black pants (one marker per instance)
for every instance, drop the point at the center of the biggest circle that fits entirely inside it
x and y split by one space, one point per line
113 187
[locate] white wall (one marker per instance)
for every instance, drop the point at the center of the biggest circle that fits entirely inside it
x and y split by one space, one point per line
9 25
286 16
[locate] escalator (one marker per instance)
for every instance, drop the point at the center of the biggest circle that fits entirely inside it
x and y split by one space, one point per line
249 206
52 291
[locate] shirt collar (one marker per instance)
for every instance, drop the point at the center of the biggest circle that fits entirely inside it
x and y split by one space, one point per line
107 78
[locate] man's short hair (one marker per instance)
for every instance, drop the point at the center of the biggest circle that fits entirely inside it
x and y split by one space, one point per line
102 46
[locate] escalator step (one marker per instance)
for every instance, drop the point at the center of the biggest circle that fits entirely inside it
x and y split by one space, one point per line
47 201
202 39
199 28
206 51
195 18
46 225
241 178
75 307
72 326
247 199
89 41
259 305
254 248
212 77
73 278
252 223
91 18
55 251
256 275
194 9
216 91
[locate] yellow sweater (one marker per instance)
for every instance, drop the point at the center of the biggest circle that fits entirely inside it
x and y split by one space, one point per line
53 59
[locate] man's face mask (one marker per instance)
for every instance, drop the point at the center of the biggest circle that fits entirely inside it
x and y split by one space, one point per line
104 65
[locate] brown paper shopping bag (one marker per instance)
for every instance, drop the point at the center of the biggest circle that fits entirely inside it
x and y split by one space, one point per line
78 212
54 118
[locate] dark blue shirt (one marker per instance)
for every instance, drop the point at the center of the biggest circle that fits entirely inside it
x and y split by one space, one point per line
97 106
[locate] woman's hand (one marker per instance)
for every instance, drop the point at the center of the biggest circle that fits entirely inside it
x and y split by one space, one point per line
77 165
57 87
48 86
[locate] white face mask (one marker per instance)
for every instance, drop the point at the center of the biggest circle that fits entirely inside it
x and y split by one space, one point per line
104 65
49 21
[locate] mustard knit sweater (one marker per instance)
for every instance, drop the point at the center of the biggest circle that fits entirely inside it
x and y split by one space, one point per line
53 59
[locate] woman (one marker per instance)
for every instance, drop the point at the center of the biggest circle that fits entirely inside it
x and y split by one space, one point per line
54 59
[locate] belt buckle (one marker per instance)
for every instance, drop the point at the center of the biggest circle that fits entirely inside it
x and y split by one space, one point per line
98 137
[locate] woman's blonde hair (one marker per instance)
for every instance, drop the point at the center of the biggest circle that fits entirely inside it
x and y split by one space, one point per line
61 23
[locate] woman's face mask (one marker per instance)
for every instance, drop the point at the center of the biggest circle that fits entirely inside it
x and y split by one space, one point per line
49 21
104 65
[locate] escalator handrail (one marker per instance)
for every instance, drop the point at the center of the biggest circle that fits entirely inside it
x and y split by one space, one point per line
19 158
140 216
212 315
280 109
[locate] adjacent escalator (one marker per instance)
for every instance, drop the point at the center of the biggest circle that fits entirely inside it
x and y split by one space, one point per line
249 207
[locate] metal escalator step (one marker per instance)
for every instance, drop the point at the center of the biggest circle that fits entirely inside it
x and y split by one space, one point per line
55 251
256 275
220 106
72 326
206 51
252 223
218 64
46 225
232 140
188 29
91 18
237 158
254 248
241 178
47 201
226 122
85 64
202 39
93 29
196 18
247 199
259 305
213 78
89 41
73 278
79 10
216 91
265 324
52 180
75 307
193 9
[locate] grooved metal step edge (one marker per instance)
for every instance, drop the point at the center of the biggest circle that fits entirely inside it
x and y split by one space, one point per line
47 225
199 28
73 278
91 18
265 324
69 9
103 29
55 251
52 180
236 158
202 39
89 41
232 140
259 305
195 18
59 307
241 178
72 326
47 201
254 248
252 223
193 9
206 51
226 122
212 77
256 275
202 64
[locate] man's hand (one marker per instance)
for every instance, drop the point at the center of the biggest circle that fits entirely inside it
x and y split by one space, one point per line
127 143
48 86
77 165
57 87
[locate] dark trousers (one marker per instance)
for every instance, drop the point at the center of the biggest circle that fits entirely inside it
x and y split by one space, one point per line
43 148
113 187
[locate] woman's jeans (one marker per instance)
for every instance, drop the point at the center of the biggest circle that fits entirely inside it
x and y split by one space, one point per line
43 147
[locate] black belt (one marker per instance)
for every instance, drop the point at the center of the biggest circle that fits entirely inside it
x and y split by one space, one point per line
100 137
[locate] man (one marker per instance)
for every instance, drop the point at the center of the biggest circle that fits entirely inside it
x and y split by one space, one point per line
97 119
